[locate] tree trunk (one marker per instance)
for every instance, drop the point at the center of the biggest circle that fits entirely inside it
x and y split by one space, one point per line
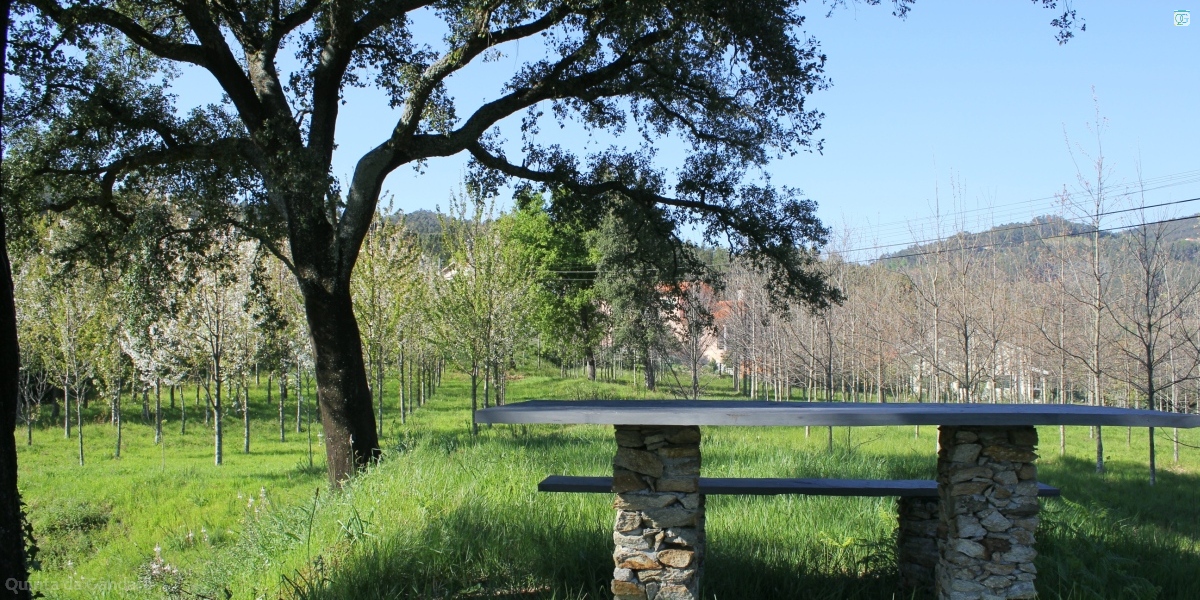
299 400
182 409
157 412
117 420
13 564
79 424
487 382
589 359
218 430
282 402
351 441
400 388
245 419
67 409
379 386
648 366
1153 465
474 390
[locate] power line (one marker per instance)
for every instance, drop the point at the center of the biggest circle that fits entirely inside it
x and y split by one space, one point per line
1051 237
1021 226
1021 207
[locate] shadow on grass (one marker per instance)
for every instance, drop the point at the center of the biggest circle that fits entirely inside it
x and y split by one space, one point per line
477 552
1115 536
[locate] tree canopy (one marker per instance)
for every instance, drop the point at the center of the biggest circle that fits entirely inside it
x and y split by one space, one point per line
98 130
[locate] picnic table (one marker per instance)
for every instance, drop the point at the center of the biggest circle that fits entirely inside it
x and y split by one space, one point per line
967 535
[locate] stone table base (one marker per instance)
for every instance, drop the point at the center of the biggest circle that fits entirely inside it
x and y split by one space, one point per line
659 529
987 487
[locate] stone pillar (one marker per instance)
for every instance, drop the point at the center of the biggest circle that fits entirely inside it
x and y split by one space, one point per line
916 542
659 530
987 486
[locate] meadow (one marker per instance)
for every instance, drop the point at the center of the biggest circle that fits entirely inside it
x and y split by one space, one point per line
448 515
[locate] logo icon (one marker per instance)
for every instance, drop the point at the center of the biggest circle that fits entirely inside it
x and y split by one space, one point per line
1183 18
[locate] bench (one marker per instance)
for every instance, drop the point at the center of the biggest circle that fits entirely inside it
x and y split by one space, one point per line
727 486
917 508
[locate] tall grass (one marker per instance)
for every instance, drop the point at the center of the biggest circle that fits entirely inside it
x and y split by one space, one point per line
448 515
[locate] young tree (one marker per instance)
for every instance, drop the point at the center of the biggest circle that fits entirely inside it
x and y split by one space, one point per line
483 296
381 285
568 315
1151 318
213 311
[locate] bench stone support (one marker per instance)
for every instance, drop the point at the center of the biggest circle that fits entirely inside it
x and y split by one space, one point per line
659 528
916 541
987 487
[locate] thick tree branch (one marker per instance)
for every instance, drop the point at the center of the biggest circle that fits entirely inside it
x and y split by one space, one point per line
571 182
414 107
110 173
95 15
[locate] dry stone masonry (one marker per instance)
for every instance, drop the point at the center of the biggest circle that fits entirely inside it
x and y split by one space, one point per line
916 542
659 529
989 510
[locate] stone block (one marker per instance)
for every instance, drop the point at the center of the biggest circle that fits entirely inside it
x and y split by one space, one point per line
627 481
627 520
1005 452
1019 554
639 461
1006 478
965 437
638 561
965 453
672 516
970 473
643 501
630 437
994 521
652 590
625 590
690 451
968 527
633 541
1022 590
967 547
997 581
969 488
675 558
681 467
691 501
682 536
683 435
675 592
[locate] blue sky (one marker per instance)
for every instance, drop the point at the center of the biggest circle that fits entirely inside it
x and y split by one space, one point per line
973 100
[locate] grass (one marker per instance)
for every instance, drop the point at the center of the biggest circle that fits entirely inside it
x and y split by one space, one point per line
448 515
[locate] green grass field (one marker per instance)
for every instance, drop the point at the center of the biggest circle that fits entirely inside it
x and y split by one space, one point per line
446 515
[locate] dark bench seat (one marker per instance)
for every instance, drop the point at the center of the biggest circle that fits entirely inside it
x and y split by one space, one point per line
905 488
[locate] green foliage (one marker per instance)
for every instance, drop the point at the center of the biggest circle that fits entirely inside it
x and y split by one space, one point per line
568 315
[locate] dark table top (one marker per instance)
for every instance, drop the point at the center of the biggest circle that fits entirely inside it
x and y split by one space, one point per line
761 413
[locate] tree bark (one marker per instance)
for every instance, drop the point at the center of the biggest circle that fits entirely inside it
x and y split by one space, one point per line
474 403
157 411
13 563
117 419
12 533
347 417
589 359
245 419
